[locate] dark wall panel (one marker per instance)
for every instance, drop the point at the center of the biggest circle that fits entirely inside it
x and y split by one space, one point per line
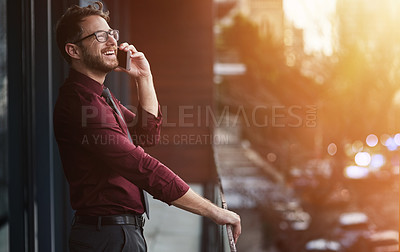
176 37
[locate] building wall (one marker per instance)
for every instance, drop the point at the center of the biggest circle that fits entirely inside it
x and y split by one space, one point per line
176 37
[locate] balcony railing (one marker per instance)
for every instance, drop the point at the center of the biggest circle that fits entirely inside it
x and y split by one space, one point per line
216 238
227 230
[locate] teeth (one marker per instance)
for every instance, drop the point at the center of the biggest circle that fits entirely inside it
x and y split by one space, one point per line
109 52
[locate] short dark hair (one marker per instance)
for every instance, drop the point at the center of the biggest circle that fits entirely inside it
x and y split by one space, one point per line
69 28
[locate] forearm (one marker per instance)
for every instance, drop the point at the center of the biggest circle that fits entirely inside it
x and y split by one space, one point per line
147 95
140 71
196 204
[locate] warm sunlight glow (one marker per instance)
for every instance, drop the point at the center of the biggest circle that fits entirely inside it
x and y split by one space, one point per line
315 18
334 65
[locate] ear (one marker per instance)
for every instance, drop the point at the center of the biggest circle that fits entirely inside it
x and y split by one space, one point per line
73 51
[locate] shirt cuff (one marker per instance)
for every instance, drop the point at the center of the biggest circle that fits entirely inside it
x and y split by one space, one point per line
175 189
151 120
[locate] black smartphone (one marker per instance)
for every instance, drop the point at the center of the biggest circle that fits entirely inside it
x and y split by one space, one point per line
124 59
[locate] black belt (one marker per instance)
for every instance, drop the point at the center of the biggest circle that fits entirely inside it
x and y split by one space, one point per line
126 219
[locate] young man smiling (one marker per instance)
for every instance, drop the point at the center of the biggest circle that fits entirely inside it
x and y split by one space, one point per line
107 178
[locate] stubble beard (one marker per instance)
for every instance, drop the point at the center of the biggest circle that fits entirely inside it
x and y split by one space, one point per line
96 62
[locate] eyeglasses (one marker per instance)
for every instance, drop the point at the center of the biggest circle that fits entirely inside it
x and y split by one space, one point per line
101 36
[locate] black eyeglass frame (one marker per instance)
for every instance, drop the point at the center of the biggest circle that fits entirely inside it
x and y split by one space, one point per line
97 38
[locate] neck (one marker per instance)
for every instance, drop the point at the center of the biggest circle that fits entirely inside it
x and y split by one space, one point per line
93 74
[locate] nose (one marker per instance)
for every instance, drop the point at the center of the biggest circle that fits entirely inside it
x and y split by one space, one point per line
111 40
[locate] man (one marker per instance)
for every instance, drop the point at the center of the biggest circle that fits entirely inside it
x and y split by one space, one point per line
105 166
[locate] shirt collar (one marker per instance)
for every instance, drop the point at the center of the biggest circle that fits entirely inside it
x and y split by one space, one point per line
91 84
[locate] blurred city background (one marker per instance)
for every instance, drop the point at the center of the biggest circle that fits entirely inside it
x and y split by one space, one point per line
293 105
316 87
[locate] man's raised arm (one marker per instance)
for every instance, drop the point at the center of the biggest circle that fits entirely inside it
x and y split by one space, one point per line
140 71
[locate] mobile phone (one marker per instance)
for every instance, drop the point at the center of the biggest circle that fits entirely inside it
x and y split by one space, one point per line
124 59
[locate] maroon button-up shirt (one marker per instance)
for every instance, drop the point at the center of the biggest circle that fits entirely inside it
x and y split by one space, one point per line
103 168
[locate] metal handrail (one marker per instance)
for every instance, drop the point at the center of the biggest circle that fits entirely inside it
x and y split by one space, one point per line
229 231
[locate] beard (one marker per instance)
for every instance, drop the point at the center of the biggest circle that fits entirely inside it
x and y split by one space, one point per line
96 62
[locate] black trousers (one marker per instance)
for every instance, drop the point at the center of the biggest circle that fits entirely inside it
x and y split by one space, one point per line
107 238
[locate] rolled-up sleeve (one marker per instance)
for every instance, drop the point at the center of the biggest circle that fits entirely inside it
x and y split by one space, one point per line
103 137
132 162
144 127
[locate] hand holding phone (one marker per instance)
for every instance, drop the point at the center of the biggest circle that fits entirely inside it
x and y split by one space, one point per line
124 59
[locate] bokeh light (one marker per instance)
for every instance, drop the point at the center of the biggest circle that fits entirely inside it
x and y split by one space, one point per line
397 139
362 159
353 218
372 140
348 149
332 149
356 172
377 161
357 146
391 144
384 139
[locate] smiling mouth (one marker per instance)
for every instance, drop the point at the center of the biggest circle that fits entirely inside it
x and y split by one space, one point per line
109 52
